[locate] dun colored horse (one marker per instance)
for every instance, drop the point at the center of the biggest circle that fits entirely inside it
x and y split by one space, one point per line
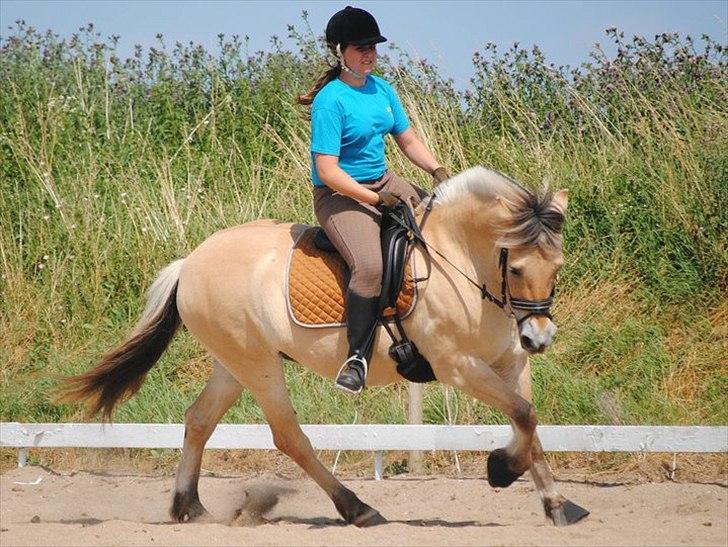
229 293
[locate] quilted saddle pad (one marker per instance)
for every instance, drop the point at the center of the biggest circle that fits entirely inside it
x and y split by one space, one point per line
316 284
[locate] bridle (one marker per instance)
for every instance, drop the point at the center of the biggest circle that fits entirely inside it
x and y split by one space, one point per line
531 307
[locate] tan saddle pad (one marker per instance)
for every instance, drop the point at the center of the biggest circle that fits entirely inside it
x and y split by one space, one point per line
316 284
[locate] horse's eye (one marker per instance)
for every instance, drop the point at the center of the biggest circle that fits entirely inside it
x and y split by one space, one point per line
515 271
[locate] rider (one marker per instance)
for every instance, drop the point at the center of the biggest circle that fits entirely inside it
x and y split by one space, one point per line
351 112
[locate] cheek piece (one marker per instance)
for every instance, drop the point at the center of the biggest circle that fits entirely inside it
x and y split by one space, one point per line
345 68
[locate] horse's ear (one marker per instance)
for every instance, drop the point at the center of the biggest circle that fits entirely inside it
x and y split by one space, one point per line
561 200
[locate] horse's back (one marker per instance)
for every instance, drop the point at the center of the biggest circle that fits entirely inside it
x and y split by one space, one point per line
243 248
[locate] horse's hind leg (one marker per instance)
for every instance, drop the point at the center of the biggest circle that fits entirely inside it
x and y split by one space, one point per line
271 393
219 394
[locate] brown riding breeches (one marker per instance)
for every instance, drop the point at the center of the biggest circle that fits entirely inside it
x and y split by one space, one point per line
353 228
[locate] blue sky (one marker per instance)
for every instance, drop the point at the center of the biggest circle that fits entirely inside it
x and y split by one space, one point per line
446 33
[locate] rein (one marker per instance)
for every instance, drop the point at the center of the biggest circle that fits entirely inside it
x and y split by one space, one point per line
532 307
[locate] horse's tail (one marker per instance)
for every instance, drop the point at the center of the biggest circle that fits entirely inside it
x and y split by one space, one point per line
121 372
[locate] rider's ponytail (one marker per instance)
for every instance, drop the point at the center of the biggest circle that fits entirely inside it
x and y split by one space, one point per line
331 74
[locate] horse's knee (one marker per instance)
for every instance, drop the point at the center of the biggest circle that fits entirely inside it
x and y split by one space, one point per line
525 416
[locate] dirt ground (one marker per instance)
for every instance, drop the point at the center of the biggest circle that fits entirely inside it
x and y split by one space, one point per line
39 506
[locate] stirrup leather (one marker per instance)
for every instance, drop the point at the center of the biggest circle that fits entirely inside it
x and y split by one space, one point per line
363 361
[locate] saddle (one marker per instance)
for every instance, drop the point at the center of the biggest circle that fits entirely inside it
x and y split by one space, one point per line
318 276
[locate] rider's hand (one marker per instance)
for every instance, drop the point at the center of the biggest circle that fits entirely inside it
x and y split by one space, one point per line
439 175
388 199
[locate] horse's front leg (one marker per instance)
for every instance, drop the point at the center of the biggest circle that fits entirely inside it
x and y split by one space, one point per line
476 378
559 509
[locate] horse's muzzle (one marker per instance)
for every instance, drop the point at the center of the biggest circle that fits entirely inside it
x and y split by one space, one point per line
536 333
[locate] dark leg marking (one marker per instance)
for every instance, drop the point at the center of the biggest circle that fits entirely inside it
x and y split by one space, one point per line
354 511
186 506
500 474
525 416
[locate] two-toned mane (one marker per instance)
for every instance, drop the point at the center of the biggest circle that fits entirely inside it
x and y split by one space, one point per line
229 293
536 220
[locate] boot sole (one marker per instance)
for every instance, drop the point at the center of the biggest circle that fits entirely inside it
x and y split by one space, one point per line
348 390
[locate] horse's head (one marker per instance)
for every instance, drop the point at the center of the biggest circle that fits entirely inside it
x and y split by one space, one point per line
530 230
522 232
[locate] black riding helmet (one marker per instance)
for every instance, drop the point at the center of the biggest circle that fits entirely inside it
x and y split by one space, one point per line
353 26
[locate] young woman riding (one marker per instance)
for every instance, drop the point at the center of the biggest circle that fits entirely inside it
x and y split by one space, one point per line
351 112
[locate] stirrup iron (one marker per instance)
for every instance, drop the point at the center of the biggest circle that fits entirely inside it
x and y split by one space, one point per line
345 388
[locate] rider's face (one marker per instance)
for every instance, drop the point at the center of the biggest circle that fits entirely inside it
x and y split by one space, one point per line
361 59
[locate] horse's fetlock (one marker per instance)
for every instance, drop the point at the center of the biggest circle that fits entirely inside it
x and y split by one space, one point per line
346 503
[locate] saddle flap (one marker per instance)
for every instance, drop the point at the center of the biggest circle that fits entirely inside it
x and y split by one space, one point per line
395 237
322 241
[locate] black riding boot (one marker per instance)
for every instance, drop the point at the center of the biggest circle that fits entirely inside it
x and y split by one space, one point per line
361 319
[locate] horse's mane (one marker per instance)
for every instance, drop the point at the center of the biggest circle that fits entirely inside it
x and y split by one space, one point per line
534 220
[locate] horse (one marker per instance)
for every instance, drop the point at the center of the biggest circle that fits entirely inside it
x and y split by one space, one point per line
482 229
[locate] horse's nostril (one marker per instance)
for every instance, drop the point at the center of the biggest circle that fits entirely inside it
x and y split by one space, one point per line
527 343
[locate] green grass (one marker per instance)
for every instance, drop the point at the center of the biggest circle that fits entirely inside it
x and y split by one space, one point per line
111 168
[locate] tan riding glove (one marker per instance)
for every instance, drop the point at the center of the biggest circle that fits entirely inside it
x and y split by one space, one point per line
439 175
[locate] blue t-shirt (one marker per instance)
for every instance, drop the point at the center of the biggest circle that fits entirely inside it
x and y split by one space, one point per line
351 123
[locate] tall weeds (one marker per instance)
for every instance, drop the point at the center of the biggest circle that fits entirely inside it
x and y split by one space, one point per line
110 168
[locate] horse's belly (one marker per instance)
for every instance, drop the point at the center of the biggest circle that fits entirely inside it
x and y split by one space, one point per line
324 351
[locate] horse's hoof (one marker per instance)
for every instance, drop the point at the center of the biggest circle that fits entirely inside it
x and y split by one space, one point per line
566 513
188 508
370 517
354 510
499 472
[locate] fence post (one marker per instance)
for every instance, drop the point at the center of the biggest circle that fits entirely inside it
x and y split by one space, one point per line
378 465
415 464
22 457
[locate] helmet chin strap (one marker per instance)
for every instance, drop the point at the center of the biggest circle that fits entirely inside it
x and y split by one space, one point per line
343 64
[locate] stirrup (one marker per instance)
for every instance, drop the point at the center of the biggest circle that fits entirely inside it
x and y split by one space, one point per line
342 387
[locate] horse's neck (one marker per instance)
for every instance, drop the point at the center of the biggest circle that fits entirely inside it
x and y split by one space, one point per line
463 234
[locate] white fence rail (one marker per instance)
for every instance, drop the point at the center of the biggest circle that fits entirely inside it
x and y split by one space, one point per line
374 438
